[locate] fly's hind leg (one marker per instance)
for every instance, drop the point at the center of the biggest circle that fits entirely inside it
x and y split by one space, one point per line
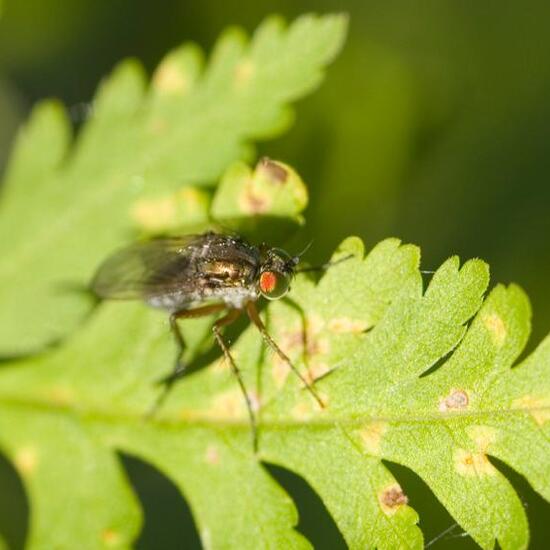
169 380
228 319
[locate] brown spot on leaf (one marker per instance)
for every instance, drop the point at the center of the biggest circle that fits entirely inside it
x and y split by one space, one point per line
392 498
277 172
456 400
253 201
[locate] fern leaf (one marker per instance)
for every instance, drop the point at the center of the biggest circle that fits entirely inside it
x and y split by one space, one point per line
76 199
378 333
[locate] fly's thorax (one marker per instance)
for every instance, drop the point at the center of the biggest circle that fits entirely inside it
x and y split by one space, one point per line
232 271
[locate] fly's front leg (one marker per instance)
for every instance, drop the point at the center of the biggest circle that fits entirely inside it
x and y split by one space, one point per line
255 318
179 367
228 319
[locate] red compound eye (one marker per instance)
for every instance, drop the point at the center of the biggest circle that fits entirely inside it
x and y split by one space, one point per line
274 285
268 282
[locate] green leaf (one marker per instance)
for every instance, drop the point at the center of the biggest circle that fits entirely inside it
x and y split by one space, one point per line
66 205
262 203
424 377
370 323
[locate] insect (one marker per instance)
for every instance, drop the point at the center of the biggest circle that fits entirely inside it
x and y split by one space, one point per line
196 275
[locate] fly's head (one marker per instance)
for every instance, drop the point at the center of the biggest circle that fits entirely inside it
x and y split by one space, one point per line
276 272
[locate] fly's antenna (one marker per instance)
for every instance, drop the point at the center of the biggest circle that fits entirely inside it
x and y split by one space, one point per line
323 267
296 259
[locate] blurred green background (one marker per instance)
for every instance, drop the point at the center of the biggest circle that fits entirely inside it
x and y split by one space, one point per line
433 126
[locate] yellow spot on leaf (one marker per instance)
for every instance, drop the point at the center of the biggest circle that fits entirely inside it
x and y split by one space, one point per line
26 460
61 395
484 436
243 73
169 79
206 539
170 211
255 401
110 537
253 200
305 409
345 324
212 455
292 342
456 400
220 366
323 396
229 404
296 339
316 371
191 196
279 372
391 499
495 325
158 125
472 464
537 407
301 411
371 436
155 214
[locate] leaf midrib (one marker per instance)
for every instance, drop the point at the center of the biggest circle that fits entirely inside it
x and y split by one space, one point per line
198 418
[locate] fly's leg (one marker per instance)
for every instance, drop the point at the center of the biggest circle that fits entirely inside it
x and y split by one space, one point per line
224 321
255 318
179 368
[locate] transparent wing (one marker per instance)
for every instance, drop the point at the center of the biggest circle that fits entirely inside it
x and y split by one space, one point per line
146 269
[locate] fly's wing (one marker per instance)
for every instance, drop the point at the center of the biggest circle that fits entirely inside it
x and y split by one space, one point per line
146 269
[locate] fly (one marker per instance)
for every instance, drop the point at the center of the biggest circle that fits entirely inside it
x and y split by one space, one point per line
197 275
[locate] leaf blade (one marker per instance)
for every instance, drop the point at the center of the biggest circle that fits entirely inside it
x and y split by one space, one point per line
135 142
